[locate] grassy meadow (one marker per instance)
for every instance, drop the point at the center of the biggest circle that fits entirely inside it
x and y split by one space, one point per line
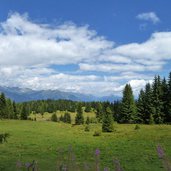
41 141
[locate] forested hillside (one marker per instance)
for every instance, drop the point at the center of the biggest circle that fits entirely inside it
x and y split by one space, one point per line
152 106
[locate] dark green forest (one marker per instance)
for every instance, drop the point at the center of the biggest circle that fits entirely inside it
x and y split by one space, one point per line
153 106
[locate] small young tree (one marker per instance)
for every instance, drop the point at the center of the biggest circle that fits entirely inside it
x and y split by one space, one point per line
54 117
107 123
79 119
88 107
88 120
67 117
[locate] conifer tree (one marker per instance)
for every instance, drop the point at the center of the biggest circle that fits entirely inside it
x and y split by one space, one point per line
79 119
168 113
67 117
54 117
10 109
141 107
128 107
157 100
99 112
24 112
15 110
107 122
165 99
3 106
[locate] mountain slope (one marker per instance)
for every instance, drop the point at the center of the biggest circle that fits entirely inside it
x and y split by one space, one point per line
20 95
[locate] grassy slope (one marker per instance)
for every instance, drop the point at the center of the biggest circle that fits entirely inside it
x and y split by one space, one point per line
136 150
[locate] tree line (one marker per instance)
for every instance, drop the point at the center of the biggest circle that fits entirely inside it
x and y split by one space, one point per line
153 105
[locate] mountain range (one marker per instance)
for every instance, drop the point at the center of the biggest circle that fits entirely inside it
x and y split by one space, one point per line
25 94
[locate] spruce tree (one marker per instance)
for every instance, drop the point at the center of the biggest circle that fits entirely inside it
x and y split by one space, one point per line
99 112
157 100
10 109
141 107
15 110
165 99
54 117
3 106
79 119
24 112
67 117
168 113
107 122
128 107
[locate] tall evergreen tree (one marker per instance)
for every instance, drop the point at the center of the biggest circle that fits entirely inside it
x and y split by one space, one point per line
107 123
10 109
24 112
168 113
164 99
157 100
79 119
3 106
99 111
15 110
128 107
141 107
145 106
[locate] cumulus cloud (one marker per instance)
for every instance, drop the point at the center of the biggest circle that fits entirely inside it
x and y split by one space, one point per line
149 16
28 50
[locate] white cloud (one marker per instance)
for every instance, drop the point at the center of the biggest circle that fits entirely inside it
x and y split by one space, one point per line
28 50
149 16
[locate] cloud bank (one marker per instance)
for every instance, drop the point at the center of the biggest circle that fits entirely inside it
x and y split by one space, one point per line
31 53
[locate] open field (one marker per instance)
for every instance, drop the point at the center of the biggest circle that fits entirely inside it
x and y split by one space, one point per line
135 149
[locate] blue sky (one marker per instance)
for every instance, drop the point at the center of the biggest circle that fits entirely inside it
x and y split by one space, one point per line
93 47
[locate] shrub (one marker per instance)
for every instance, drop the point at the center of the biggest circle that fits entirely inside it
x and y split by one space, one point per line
137 127
87 128
3 137
97 133
54 117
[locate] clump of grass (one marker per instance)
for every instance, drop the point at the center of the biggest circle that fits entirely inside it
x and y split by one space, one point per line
96 133
87 128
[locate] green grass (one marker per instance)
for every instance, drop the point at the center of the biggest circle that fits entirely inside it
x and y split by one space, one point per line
47 116
136 149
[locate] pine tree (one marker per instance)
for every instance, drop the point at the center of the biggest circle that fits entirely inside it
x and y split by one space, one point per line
157 100
15 110
107 123
88 120
168 113
67 117
10 109
141 107
128 107
24 112
3 106
165 99
54 117
99 112
88 107
79 119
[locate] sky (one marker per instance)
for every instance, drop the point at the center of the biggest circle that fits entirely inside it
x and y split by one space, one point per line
86 46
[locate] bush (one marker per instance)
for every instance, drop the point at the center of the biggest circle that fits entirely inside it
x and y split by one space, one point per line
54 117
97 133
87 128
137 127
3 137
